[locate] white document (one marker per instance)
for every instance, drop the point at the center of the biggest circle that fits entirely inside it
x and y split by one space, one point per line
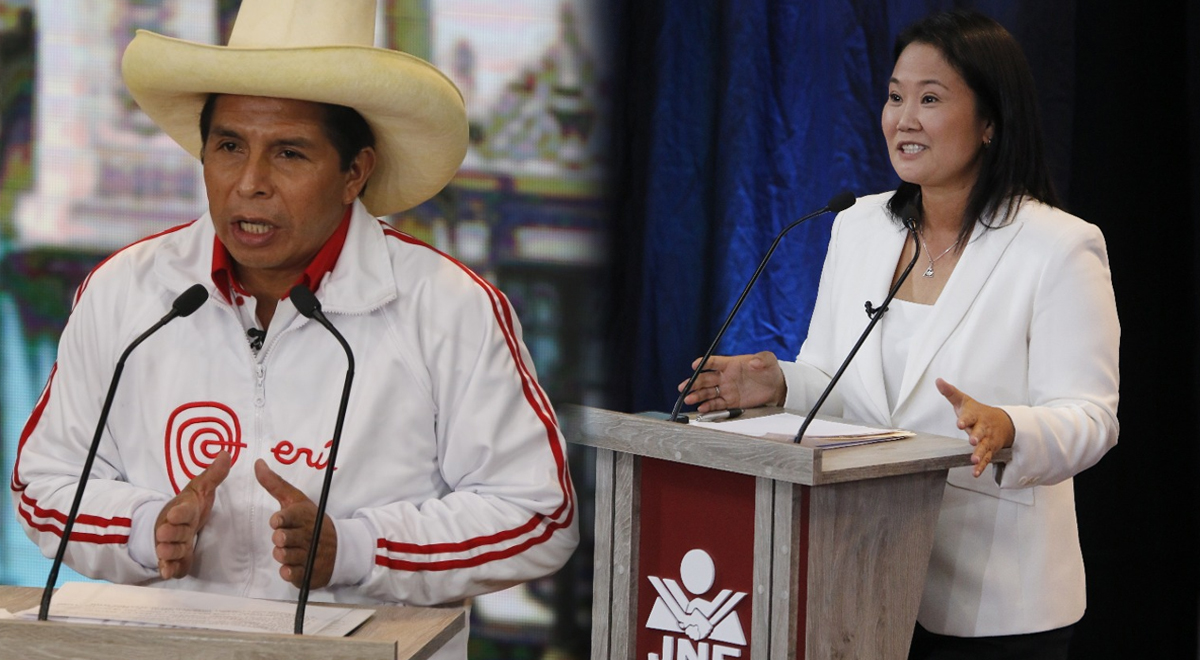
86 602
821 433
5 614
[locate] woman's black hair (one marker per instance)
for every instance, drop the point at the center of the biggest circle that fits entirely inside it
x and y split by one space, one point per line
994 67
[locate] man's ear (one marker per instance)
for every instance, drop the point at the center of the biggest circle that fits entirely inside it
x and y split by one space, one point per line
358 173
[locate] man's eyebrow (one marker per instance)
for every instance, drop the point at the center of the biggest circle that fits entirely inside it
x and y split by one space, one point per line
223 131
293 142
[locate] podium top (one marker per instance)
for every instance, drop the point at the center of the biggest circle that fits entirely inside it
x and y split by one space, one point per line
394 633
761 457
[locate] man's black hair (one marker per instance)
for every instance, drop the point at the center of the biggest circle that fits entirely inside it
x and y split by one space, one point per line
344 127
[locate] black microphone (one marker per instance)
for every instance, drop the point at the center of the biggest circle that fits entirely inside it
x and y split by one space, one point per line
306 303
187 302
839 203
908 218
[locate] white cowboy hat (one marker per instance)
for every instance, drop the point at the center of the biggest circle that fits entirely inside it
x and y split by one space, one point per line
313 50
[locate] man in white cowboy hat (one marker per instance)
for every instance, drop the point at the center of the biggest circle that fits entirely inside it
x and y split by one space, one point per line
451 479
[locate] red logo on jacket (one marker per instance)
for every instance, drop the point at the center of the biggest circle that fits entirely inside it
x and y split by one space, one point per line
196 433
287 453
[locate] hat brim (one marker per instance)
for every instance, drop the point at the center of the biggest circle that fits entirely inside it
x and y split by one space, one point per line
416 113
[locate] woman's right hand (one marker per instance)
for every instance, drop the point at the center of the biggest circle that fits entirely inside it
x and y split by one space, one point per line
737 381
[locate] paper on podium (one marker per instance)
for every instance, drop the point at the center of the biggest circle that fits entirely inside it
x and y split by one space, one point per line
118 604
821 433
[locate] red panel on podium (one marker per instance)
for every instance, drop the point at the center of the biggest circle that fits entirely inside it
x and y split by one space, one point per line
695 562
794 551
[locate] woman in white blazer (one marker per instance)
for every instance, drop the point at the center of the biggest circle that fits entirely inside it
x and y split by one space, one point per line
1006 333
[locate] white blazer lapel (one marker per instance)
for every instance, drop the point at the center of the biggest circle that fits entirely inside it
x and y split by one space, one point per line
876 278
976 265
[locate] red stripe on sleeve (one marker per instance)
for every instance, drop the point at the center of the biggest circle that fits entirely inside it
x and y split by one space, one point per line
100 539
17 485
537 400
82 519
460 546
477 560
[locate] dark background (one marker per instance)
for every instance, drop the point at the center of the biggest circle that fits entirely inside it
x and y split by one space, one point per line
1135 172
1119 85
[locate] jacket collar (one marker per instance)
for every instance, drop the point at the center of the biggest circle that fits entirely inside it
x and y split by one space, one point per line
363 279
356 280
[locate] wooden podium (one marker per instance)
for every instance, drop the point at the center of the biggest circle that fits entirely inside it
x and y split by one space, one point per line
393 633
711 545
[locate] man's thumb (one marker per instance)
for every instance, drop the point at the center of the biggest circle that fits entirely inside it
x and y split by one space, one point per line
208 480
275 485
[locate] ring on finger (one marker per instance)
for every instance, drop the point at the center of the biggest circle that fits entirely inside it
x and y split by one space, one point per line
718 388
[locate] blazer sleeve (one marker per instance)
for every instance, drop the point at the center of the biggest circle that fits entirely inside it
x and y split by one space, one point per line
810 374
1074 338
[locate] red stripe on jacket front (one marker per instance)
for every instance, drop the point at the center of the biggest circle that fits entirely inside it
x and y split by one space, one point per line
538 401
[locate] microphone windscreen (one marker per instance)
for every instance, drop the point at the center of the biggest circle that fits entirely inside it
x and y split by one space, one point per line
304 300
908 216
190 300
841 201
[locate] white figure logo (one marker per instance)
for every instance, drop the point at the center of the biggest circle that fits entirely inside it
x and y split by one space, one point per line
698 618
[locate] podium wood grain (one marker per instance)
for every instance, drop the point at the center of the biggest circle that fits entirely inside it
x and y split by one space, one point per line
393 633
868 550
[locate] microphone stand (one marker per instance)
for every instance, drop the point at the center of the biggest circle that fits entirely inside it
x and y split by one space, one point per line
187 302
875 313
839 203
306 303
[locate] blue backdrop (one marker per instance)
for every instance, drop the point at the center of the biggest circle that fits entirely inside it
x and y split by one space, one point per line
740 117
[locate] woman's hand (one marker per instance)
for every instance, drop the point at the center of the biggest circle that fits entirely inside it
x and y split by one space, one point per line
737 381
988 428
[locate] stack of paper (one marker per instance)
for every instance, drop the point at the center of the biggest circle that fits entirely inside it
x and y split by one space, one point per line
85 602
821 433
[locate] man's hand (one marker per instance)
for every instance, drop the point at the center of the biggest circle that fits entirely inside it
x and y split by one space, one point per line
988 428
184 516
293 525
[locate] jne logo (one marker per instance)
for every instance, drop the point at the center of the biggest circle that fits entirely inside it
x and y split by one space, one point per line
703 629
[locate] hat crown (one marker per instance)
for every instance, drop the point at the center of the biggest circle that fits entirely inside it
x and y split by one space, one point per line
303 24
320 51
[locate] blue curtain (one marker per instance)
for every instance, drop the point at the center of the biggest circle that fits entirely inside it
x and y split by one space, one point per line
738 118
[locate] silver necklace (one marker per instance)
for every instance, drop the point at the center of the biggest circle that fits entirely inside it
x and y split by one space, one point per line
932 259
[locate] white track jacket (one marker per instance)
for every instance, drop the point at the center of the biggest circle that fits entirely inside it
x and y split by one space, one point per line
451 478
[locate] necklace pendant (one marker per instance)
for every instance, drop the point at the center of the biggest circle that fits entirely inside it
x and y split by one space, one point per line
928 271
